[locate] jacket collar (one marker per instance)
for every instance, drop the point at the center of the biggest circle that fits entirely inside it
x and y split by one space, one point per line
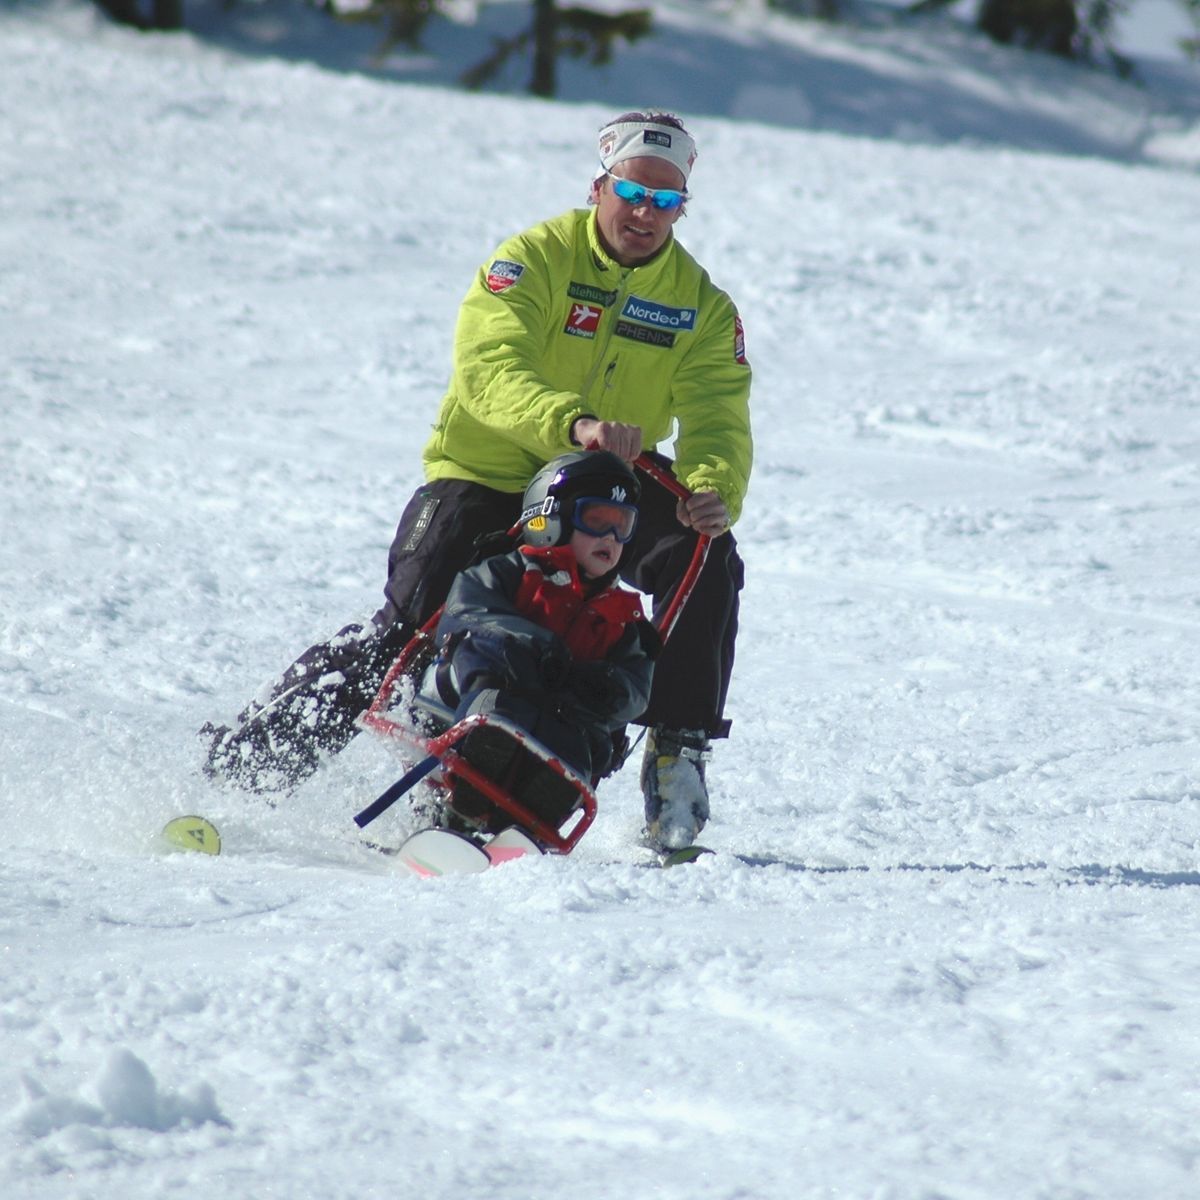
562 558
554 558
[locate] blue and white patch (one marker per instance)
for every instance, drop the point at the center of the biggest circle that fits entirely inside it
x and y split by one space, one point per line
662 316
503 274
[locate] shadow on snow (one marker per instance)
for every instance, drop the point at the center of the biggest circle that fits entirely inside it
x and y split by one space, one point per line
1028 873
883 74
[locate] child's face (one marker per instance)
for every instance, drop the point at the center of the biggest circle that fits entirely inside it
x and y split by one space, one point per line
596 556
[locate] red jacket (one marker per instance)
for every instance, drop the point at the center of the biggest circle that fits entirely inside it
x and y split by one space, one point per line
552 594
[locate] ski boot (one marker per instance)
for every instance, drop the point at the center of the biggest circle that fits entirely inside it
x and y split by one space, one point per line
673 786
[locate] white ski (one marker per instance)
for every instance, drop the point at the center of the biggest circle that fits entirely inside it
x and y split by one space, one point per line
435 852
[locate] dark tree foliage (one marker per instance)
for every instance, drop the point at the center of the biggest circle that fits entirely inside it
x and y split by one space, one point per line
1033 24
1069 28
145 14
404 20
552 32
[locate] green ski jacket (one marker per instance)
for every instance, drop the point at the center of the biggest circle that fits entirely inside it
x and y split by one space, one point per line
553 329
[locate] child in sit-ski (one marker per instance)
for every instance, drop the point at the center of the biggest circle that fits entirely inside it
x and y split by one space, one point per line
546 638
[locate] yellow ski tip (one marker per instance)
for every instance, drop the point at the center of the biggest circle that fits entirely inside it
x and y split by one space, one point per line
687 854
192 833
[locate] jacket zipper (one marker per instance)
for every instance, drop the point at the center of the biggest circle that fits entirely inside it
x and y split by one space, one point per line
603 349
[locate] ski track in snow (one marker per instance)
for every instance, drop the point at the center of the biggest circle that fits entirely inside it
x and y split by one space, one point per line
966 707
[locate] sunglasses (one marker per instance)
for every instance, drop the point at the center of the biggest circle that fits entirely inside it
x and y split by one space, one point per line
597 518
637 193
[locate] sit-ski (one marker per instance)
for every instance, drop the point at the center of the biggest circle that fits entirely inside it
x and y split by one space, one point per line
440 763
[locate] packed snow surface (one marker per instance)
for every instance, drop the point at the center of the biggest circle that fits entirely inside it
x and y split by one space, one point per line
947 946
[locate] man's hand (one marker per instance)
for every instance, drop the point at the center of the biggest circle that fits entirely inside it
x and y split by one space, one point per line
625 441
705 512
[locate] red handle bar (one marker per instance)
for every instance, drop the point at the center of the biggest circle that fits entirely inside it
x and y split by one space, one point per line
662 476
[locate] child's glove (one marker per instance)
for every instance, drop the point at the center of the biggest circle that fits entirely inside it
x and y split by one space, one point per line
555 665
593 684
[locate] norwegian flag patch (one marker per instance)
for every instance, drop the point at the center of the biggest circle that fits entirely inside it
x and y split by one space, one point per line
739 342
502 275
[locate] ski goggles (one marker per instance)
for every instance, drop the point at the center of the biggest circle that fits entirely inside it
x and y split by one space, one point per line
597 518
667 199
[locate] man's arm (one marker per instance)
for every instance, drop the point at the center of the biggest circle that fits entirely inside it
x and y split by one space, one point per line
501 344
711 400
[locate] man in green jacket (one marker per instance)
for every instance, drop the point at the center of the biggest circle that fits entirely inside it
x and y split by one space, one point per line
594 329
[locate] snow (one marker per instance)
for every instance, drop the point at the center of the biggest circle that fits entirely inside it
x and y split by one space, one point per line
955 957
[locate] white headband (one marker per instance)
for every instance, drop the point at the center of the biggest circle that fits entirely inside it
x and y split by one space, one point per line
647 139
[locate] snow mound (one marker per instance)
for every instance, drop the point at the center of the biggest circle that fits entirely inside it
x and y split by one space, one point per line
127 1095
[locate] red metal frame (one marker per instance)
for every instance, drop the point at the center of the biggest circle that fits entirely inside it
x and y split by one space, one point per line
442 747
662 476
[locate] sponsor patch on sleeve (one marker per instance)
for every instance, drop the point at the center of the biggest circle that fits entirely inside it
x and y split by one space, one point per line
503 274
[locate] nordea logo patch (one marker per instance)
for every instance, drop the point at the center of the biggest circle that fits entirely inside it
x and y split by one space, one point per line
637 309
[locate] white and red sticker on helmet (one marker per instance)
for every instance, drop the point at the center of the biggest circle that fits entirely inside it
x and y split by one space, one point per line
739 342
503 274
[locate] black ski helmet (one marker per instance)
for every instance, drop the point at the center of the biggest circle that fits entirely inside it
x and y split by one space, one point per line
550 497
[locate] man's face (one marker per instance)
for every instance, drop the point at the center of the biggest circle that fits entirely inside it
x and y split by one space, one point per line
633 233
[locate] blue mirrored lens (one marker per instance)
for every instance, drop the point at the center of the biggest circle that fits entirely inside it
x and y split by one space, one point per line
636 193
